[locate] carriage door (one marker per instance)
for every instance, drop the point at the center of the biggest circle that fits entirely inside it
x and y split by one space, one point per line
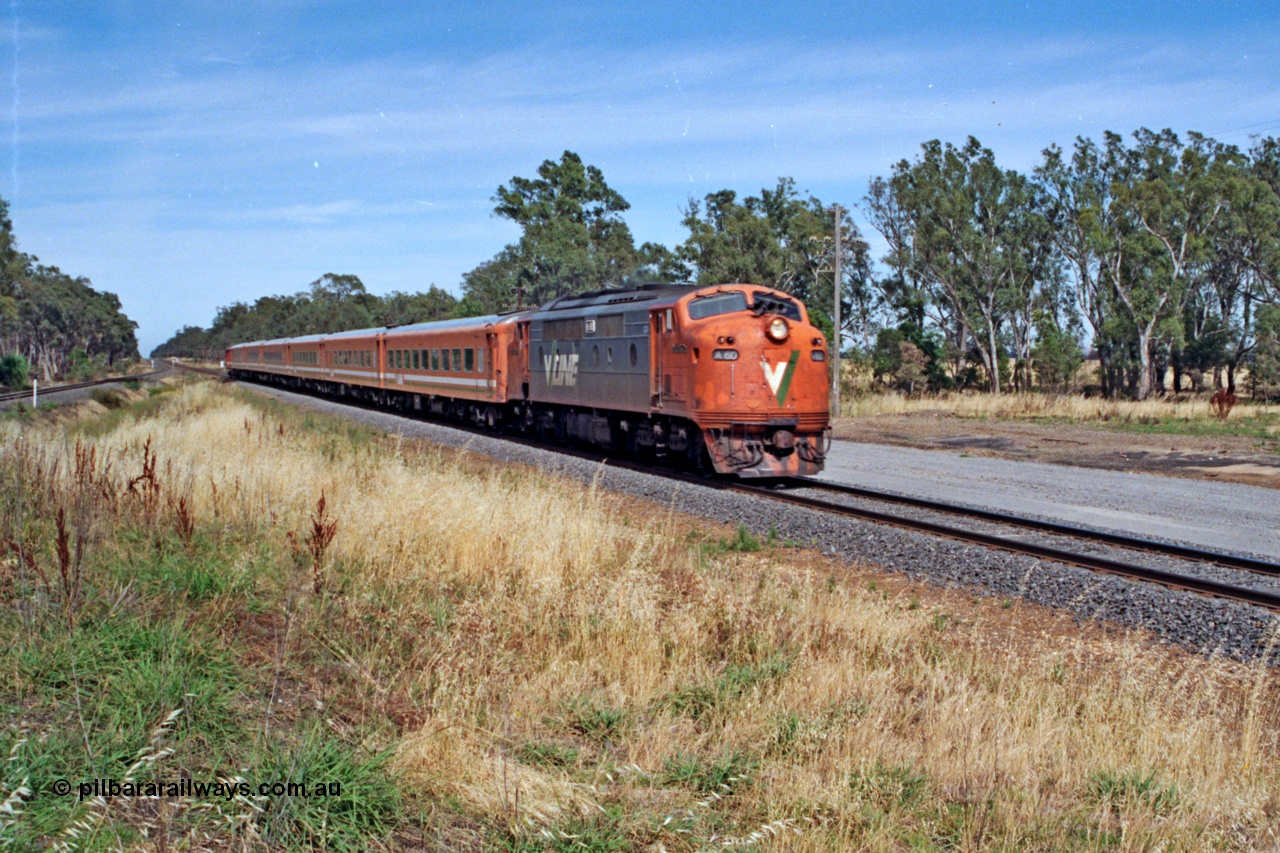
518 361
489 366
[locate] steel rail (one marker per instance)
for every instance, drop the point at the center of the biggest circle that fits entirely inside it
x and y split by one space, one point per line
1133 543
58 389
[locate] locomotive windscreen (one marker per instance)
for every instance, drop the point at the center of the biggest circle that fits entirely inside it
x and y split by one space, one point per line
722 303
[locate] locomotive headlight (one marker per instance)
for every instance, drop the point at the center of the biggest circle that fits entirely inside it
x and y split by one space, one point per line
777 330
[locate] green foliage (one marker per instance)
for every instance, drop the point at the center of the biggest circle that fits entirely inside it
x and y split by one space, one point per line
1266 365
885 787
14 371
724 772
598 722
365 805
701 700
1058 355
908 359
573 239
783 241
111 398
547 754
1123 791
70 328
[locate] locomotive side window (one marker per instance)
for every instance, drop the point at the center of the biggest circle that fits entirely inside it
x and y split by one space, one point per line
595 356
469 360
563 330
634 355
609 326
721 303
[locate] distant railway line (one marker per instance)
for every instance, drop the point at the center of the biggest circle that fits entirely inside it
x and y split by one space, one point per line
1250 570
76 386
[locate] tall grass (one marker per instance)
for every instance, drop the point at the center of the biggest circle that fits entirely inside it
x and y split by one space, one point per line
1066 407
541 666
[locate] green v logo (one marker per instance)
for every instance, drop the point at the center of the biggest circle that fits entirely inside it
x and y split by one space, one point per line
779 376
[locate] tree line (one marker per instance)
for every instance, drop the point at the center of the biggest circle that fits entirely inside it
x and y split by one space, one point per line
53 324
1160 253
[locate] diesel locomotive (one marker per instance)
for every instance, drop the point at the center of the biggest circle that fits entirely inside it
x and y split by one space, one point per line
730 379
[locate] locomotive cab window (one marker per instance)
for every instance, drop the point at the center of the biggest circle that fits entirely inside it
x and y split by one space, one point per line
721 303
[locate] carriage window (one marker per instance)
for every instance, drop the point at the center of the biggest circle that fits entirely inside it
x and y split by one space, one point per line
435 359
469 355
480 360
444 360
457 360
416 357
721 303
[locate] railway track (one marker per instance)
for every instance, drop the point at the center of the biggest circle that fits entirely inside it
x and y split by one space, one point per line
75 386
207 371
1092 562
783 492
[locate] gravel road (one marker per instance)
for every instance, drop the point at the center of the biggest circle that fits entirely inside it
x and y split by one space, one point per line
1224 516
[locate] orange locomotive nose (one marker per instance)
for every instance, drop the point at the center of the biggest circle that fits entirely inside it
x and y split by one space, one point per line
762 404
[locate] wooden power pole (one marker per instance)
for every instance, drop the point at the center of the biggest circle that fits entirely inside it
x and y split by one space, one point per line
835 341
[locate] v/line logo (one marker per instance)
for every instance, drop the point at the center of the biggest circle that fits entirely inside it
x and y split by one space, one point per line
779 376
561 368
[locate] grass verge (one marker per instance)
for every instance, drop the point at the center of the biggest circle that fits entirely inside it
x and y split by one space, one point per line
209 587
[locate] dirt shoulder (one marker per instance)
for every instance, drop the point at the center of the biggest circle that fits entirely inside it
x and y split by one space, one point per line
1224 458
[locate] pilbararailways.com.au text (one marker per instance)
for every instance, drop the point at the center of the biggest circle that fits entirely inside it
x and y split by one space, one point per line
194 788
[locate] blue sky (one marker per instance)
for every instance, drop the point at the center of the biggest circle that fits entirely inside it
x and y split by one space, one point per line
188 155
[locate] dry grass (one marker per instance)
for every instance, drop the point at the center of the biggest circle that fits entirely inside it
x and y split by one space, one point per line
562 673
1070 407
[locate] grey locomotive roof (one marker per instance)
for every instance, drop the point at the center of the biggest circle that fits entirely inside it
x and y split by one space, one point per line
604 298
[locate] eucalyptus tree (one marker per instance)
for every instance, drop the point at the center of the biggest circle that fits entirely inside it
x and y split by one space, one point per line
784 241
573 237
1241 267
978 242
